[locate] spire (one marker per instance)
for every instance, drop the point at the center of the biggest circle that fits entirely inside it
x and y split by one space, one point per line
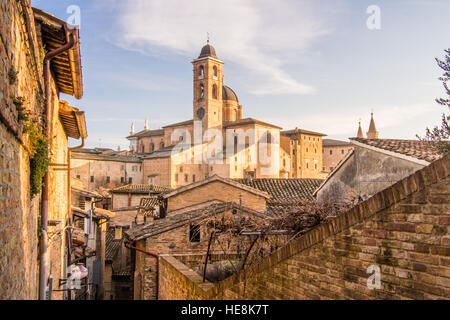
360 132
146 124
372 133
132 128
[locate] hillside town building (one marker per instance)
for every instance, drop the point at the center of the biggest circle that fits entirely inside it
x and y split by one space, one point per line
219 140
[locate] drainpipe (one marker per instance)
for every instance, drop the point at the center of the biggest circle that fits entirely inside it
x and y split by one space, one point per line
129 245
73 39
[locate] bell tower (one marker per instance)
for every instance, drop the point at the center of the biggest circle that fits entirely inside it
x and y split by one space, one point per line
208 84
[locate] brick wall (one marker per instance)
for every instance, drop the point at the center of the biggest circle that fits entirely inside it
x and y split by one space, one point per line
404 230
18 213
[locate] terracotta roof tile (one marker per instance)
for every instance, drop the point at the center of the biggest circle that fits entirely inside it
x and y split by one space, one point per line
422 150
285 190
180 219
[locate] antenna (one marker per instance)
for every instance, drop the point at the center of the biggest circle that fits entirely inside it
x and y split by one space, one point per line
207 35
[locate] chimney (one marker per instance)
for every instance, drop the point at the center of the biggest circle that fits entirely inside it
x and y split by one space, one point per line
146 124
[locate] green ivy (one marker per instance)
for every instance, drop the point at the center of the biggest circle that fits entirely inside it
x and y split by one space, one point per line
39 160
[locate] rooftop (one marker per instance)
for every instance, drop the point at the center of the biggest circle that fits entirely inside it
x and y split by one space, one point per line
66 67
180 219
334 143
249 121
284 190
301 131
140 189
421 150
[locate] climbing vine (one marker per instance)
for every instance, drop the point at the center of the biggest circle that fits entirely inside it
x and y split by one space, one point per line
39 160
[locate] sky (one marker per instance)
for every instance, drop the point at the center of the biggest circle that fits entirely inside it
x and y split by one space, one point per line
314 65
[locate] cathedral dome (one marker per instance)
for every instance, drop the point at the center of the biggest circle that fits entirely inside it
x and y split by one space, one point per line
229 94
208 51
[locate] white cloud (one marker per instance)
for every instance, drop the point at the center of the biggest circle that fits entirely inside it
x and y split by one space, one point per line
258 35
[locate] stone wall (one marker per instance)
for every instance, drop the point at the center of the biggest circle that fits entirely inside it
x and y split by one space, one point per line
403 230
365 173
18 213
332 155
118 172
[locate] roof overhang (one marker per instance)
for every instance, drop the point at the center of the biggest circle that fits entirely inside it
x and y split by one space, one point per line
214 179
390 153
73 121
66 67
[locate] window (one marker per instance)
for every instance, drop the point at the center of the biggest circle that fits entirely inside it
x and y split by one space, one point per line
143 149
108 179
214 91
152 147
342 151
306 149
307 165
162 145
202 91
176 177
194 233
186 178
315 150
331 168
201 72
122 179
130 180
215 72
331 152
181 169
78 177
92 178
108 167
284 162
193 178
199 166
315 166
122 168
323 168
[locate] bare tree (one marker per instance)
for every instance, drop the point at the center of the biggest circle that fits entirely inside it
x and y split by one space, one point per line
440 135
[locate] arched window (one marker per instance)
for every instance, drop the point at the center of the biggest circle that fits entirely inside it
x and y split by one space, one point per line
215 72
214 91
143 149
269 137
201 72
162 145
202 90
152 147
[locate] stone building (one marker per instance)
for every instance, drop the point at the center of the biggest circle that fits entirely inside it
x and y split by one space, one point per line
88 244
105 168
333 152
374 165
33 121
219 140
305 150
400 235
183 232
126 201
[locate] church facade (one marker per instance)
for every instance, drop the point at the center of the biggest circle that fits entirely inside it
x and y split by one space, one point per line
218 140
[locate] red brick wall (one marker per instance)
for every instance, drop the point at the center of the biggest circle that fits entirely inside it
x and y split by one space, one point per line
404 230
